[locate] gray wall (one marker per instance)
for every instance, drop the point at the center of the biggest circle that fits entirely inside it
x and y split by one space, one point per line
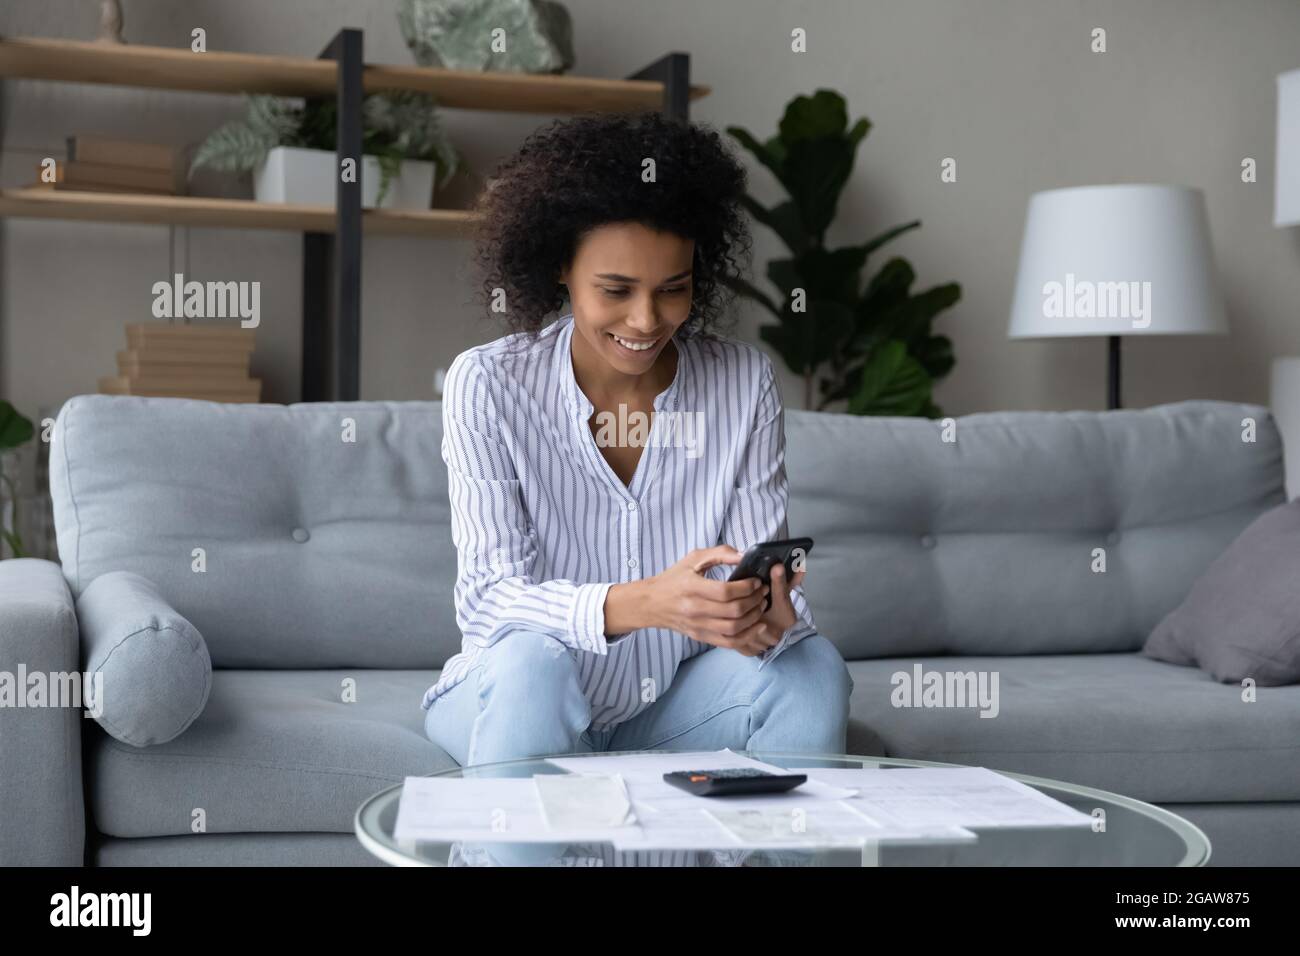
1007 87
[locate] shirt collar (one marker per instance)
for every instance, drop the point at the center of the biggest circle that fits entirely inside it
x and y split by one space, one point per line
577 401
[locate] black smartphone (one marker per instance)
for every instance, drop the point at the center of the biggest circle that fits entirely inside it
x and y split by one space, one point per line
758 561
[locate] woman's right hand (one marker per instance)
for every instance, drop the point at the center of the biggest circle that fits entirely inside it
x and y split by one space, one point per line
722 613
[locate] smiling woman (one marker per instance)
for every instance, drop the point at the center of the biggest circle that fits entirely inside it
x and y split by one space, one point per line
572 177
593 560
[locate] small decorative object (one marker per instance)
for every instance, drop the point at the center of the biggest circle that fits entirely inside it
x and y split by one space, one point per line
110 22
289 148
511 36
871 346
15 431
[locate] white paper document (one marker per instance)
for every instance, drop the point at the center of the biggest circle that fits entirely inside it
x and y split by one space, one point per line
962 796
510 809
624 800
672 818
645 772
571 802
829 823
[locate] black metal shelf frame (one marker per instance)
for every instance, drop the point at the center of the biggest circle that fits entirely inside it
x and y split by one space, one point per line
331 263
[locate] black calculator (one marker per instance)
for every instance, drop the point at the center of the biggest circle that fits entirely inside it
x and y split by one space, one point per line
733 781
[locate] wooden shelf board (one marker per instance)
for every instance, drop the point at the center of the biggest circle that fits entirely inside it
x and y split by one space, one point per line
218 72
521 92
224 213
163 67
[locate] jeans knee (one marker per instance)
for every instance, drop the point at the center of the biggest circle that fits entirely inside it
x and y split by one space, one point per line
821 672
528 658
530 701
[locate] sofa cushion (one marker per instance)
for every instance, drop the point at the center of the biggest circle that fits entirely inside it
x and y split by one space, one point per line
299 536
278 751
151 663
973 546
272 751
321 552
1242 617
1120 722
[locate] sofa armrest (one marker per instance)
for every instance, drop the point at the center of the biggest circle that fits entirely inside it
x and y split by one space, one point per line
42 808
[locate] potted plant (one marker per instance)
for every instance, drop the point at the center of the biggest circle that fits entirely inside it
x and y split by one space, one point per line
15 430
288 146
871 345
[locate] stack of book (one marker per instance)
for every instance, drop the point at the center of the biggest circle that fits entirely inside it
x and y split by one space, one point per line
207 361
95 164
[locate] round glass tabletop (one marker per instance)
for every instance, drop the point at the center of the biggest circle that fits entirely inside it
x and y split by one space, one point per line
1126 832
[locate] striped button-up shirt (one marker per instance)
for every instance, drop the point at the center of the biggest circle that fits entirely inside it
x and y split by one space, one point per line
543 526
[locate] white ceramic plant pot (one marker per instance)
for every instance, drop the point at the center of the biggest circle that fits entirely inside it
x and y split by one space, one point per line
308 176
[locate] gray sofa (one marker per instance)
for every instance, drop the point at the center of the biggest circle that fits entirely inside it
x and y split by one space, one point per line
329 565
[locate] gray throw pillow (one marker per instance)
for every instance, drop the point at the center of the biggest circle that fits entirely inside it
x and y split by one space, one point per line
1242 616
154 666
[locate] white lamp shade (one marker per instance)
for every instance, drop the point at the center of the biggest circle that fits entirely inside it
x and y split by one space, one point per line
1286 176
1117 260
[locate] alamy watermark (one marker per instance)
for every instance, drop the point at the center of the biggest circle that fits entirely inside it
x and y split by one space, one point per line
624 429
133 911
922 688
1085 299
179 299
38 689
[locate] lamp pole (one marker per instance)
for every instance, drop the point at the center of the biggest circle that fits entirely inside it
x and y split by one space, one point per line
1112 372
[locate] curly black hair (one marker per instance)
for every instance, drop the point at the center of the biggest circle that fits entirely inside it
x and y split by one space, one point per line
574 175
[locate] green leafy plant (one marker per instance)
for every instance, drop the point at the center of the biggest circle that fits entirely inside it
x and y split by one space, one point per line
394 127
871 345
15 430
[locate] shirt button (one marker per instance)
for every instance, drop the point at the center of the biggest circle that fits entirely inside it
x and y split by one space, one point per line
631 506
631 562
300 535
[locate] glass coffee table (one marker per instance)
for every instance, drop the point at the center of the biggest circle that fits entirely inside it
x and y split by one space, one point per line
1135 833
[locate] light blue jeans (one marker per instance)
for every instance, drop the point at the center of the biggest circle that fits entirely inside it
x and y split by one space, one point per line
523 699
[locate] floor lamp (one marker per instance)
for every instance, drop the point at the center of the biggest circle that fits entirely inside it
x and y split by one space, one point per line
1114 261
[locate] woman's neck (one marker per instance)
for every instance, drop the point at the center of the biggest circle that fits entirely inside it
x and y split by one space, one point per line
607 387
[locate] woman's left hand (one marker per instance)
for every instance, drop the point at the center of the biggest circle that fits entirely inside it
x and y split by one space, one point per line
781 616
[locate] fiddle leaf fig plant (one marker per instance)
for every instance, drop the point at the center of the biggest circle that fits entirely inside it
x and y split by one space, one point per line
15 430
870 344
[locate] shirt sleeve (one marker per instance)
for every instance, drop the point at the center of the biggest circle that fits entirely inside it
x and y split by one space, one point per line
496 550
757 510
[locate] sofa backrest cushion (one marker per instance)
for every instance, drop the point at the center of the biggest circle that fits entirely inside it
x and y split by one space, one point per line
992 543
323 552
315 550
